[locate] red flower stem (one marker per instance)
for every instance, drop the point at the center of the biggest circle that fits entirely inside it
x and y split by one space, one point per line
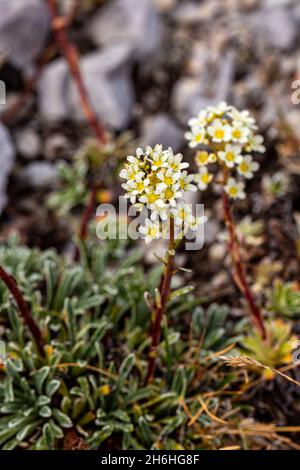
159 312
239 273
60 28
69 51
11 284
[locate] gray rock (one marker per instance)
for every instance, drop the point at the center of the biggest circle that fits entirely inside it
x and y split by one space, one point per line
165 5
189 13
24 26
53 91
39 175
212 229
7 157
135 23
107 79
162 129
278 27
28 143
191 94
57 146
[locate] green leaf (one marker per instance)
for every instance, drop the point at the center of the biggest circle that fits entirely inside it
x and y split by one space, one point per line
180 292
63 420
125 369
40 377
52 387
100 436
45 412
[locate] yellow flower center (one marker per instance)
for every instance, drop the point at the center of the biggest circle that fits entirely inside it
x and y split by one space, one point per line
230 156
206 178
169 193
233 191
152 198
201 158
140 186
219 133
152 232
244 167
236 133
168 180
153 179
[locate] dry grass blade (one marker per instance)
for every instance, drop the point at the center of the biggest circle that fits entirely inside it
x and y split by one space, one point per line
246 361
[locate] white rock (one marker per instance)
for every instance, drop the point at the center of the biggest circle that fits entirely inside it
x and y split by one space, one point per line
24 26
277 26
53 91
162 129
189 13
107 79
39 175
57 146
191 94
28 143
7 157
135 23
165 5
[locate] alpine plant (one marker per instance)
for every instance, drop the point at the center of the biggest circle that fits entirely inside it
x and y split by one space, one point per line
157 181
225 138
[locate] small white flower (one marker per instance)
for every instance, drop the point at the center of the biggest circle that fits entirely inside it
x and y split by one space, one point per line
138 185
231 155
156 179
171 194
219 110
203 178
255 144
185 182
247 167
158 158
159 210
242 118
219 131
184 218
150 231
167 178
204 158
239 133
138 158
200 120
149 197
196 137
175 161
235 189
130 172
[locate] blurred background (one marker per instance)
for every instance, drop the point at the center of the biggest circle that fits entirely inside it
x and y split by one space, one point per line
148 66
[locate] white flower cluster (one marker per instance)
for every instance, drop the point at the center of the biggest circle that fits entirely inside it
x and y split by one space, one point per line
226 136
157 179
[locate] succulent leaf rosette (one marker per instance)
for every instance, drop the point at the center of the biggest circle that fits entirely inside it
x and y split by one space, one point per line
225 136
157 179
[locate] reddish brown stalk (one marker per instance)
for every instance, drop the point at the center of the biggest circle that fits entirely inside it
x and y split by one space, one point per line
83 231
159 312
239 273
11 284
69 51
